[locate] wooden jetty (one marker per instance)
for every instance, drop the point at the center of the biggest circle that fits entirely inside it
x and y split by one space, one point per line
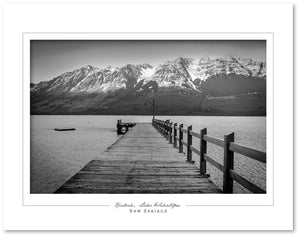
145 160
175 135
141 161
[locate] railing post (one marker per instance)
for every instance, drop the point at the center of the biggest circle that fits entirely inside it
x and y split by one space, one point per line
166 128
175 135
228 164
180 138
170 132
203 150
189 143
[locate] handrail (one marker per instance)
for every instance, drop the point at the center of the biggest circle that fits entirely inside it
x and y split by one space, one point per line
213 140
214 163
174 134
184 130
249 152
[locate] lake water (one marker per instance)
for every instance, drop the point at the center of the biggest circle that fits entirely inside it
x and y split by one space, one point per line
57 156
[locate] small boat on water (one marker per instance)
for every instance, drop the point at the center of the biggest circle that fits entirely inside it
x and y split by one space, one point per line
64 129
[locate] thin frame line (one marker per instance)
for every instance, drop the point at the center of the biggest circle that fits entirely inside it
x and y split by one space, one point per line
133 32
249 33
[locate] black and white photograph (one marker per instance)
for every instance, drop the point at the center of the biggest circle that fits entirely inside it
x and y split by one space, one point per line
148 116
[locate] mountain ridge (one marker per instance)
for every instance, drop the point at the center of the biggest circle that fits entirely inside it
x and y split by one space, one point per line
173 72
100 91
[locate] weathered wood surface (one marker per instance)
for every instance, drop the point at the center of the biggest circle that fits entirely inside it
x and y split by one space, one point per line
142 161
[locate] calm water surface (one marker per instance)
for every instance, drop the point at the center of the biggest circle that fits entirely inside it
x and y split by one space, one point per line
57 156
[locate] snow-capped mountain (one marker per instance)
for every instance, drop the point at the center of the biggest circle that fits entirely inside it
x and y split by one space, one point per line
181 72
230 65
173 74
183 86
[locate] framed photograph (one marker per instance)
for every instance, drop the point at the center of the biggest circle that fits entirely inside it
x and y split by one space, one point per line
168 112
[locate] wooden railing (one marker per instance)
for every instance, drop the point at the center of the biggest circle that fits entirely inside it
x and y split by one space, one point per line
174 134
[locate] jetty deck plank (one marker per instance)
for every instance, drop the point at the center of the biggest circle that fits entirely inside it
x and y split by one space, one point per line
141 161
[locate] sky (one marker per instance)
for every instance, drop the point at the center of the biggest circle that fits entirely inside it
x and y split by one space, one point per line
50 58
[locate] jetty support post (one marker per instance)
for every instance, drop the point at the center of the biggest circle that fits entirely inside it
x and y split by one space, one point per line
119 128
228 164
170 132
180 138
167 129
158 126
203 150
189 143
153 109
175 135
